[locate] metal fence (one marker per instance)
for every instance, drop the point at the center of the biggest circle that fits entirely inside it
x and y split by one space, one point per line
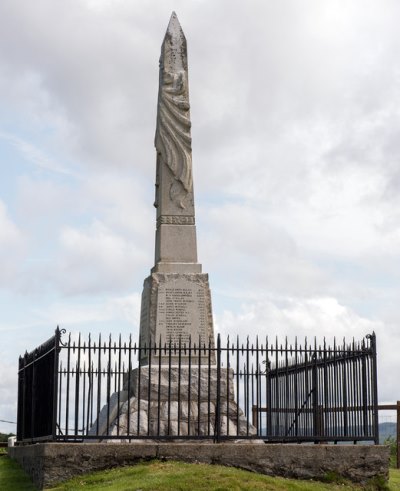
37 391
84 390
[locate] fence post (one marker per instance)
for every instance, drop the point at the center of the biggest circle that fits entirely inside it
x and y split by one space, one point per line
398 434
21 399
33 397
375 387
315 407
57 338
217 430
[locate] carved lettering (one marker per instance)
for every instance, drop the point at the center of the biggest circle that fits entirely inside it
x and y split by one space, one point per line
176 220
181 312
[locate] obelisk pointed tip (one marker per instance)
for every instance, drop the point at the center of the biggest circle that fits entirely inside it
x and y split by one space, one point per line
174 25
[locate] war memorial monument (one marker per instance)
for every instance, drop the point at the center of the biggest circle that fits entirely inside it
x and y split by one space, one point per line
176 307
179 392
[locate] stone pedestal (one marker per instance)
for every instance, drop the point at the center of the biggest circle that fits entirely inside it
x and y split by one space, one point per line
176 308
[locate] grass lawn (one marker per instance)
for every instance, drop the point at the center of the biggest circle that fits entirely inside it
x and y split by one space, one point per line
12 477
177 476
163 476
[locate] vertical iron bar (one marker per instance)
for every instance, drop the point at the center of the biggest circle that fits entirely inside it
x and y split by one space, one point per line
398 434
129 382
139 388
118 374
237 383
159 387
169 386
210 352
246 407
218 401
59 395
277 391
77 375
199 388
98 385
315 390
189 384
179 383
269 392
375 388
68 382
286 385
149 387
344 374
90 388
108 383
227 386
55 382
296 394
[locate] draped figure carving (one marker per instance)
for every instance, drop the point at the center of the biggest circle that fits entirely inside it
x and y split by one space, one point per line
173 140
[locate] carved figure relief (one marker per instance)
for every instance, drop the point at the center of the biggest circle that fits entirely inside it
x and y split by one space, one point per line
173 140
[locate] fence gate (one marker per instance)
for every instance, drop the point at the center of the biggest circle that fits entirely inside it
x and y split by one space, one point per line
37 392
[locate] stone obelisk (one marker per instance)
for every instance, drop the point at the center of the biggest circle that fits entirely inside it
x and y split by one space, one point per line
176 300
180 397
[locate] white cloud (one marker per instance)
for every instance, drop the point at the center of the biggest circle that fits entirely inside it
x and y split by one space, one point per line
96 260
34 154
8 396
295 137
320 317
115 309
285 316
12 245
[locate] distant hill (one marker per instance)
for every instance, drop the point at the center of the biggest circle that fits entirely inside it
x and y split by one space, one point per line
386 430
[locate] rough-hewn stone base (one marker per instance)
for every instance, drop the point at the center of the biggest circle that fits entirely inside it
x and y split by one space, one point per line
174 402
49 463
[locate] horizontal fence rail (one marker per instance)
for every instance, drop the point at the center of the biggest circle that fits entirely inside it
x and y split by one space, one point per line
85 390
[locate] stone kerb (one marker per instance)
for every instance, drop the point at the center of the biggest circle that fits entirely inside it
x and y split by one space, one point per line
50 463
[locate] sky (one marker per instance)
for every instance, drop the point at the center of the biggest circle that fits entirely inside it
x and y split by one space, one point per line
295 110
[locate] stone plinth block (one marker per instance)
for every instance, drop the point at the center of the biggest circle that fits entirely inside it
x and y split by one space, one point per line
50 463
176 307
180 383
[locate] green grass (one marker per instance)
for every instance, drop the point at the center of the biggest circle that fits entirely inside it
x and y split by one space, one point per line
12 477
394 480
178 476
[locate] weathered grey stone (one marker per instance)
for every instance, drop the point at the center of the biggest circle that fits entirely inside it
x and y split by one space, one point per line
176 308
176 299
108 413
50 463
176 233
180 382
156 419
168 411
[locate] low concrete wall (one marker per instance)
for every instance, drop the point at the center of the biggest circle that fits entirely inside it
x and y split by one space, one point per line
49 463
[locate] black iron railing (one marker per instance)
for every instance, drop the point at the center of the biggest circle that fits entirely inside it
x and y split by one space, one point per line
95 390
37 391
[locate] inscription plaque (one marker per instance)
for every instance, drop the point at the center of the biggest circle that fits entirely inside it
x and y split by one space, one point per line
181 312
